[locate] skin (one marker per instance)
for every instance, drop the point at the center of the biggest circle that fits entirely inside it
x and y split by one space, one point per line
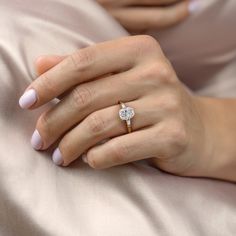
181 133
139 16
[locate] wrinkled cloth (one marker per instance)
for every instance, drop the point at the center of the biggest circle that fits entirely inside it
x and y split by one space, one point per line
39 198
203 49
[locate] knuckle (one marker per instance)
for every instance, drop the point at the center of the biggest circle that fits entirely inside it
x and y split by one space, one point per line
178 137
96 124
170 102
81 97
158 70
145 44
46 83
148 41
150 72
82 60
157 73
119 152
164 71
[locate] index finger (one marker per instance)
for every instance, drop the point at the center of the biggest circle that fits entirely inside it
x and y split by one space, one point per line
84 65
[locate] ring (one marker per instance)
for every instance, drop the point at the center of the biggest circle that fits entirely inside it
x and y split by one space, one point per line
126 114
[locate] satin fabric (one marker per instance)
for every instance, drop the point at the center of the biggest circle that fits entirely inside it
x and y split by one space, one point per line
41 199
203 48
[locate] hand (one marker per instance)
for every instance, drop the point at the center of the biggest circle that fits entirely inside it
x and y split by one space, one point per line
167 127
142 15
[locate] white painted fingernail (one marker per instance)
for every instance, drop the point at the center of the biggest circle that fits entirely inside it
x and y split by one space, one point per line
193 6
84 157
36 140
57 157
28 99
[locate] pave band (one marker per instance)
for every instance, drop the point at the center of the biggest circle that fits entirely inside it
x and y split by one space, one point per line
126 114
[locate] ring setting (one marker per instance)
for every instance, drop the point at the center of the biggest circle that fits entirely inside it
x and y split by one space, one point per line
126 114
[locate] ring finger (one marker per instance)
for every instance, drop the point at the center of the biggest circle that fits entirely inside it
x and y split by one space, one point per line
98 126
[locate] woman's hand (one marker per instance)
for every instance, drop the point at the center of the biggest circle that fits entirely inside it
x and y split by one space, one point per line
141 15
168 126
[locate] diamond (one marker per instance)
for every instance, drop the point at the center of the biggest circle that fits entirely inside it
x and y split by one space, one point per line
126 113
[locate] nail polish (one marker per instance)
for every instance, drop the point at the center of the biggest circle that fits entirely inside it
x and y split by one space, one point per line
28 99
193 6
57 157
36 140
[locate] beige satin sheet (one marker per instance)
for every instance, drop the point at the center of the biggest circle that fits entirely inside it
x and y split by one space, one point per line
38 198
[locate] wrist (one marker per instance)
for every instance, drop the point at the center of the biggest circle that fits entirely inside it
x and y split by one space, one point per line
219 120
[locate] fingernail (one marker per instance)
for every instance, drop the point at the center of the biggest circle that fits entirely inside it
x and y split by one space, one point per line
57 157
84 157
28 99
193 6
36 140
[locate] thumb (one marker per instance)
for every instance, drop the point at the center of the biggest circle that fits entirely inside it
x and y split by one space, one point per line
46 62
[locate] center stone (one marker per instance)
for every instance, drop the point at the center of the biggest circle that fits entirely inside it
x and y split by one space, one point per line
126 113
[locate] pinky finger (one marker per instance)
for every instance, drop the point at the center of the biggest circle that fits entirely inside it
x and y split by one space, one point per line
123 149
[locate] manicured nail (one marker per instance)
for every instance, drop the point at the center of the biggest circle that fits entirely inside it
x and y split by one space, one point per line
57 157
193 6
84 158
28 99
36 140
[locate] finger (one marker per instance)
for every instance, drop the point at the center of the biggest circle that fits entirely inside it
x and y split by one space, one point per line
99 126
84 100
85 65
140 18
156 141
123 149
136 2
44 63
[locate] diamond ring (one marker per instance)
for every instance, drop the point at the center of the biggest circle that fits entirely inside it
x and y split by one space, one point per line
126 114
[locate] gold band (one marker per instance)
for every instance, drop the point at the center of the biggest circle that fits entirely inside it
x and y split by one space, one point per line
129 128
127 119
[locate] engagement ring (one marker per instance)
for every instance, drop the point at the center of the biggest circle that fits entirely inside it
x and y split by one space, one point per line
126 114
